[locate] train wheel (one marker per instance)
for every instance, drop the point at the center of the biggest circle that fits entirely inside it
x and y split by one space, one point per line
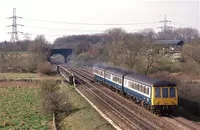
134 99
142 103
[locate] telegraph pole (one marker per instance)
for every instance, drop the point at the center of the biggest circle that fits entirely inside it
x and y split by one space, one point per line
14 33
165 21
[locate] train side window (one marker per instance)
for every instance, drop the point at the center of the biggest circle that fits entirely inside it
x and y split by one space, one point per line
134 85
125 81
129 84
137 87
147 91
157 93
102 73
144 89
108 75
165 92
140 88
115 79
172 93
120 80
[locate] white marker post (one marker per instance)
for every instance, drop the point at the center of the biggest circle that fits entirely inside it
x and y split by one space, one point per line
74 80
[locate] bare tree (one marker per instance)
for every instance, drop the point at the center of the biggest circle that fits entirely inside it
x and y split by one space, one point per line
187 34
191 55
116 34
39 46
168 34
133 45
115 45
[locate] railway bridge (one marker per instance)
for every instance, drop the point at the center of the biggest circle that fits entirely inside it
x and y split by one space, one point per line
64 52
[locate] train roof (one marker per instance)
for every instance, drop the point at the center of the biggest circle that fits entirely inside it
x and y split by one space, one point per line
112 70
134 76
116 71
100 66
149 80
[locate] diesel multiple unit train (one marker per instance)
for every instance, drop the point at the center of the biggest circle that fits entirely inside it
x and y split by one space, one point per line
157 95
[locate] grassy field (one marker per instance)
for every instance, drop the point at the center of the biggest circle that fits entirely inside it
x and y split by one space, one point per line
18 75
33 76
83 116
21 108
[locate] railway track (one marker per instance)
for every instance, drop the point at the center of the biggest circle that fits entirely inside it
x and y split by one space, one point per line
181 122
128 116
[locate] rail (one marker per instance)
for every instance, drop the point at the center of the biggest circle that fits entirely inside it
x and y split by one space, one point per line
127 115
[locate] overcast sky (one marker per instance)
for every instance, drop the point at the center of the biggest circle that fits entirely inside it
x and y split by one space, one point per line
39 16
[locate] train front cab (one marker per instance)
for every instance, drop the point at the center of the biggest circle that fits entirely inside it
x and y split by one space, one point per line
164 99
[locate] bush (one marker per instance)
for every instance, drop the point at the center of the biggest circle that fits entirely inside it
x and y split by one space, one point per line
49 86
19 62
45 68
54 101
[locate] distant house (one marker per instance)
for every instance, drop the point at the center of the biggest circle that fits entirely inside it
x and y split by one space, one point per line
172 45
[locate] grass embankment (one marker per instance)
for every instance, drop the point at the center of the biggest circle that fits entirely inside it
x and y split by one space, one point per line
82 116
21 108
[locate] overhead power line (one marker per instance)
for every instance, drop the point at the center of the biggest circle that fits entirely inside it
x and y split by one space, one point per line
185 25
67 29
93 24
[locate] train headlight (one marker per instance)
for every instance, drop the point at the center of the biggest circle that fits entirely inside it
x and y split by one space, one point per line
165 102
157 103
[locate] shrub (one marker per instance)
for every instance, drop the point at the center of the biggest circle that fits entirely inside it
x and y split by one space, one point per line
49 86
54 101
45 68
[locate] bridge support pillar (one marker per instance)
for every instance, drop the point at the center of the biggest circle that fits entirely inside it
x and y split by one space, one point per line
66 59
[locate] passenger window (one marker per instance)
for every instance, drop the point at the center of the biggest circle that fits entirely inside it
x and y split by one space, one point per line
120 80
140 88
144 89
132 85
137 87
129 83
147 91
157 92
172 93
165 92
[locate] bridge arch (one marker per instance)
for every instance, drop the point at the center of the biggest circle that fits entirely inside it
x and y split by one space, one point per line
64 52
